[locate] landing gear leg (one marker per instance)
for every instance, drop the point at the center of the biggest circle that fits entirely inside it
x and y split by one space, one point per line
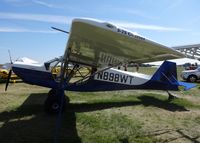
171 97
55 101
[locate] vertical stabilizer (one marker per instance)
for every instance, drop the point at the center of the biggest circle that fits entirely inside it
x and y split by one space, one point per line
166 73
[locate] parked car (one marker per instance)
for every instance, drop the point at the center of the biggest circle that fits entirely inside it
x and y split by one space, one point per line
191 75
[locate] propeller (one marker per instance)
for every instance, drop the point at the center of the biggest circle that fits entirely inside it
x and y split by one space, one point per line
8 79
60 30
10 72
10 57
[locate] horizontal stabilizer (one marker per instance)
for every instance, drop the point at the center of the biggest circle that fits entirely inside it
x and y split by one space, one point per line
186 85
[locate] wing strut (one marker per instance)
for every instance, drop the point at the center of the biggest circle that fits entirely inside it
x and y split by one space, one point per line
60 30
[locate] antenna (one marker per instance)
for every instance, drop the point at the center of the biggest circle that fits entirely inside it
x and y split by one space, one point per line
60 30
10 57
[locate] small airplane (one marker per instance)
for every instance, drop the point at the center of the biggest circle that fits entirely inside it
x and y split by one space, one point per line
4 75
93 49
4 72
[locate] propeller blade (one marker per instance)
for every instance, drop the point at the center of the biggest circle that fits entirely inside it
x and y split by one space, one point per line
8 79
60 30
10 57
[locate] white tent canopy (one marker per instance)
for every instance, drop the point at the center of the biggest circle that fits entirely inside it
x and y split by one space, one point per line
178 62
26 60
23 60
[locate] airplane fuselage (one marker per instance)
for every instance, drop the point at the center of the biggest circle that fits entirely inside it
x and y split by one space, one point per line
105 80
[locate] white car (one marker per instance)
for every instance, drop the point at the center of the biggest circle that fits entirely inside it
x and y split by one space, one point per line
191 75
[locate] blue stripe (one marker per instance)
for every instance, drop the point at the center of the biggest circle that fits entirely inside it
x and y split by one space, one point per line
95 85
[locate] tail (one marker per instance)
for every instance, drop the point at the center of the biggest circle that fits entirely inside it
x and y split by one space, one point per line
167 73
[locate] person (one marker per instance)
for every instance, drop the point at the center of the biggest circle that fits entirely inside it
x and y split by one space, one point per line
193 67
137 67
125 67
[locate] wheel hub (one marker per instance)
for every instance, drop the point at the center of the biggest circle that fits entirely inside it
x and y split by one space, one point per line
55 106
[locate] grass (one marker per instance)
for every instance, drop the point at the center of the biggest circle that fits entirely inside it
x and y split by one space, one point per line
186 103
112 127
133 116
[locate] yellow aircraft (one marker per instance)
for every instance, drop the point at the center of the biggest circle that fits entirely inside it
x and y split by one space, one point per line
4 73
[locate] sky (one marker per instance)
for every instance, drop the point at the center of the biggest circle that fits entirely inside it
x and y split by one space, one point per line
25 25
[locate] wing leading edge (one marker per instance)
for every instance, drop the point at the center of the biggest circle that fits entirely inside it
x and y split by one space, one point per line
102 44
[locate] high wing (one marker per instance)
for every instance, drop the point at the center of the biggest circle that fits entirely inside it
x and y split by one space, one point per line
103 44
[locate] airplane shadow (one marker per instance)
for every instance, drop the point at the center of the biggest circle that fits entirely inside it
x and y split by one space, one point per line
163 104
143 100
30 123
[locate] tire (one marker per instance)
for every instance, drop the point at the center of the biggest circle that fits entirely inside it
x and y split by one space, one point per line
192 78
53 102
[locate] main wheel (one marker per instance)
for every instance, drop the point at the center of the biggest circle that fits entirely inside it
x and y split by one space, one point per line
192 78
54 101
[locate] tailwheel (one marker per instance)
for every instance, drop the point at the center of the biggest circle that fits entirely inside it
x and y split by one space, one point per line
171 96
55 101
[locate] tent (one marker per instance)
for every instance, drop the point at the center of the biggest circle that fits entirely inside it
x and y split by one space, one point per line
178 62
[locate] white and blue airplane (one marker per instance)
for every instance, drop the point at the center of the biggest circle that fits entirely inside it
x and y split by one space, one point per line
100 46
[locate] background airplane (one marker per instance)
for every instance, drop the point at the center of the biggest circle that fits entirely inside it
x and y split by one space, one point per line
4 75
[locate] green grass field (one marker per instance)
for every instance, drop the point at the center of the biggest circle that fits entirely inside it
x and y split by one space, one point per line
134 116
